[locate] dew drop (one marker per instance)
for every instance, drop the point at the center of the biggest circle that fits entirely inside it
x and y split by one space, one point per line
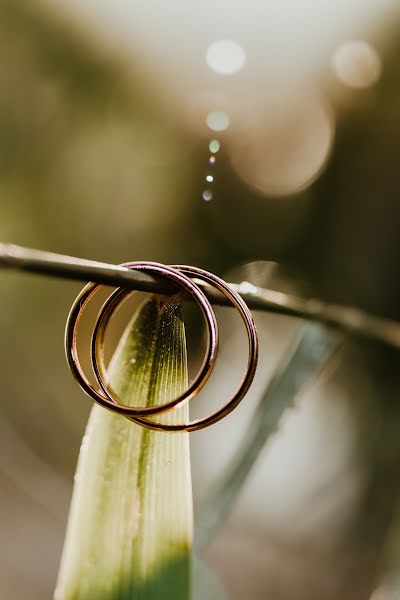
209 178
211 160
207 195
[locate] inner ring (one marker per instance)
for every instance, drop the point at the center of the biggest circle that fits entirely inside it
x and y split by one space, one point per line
197 424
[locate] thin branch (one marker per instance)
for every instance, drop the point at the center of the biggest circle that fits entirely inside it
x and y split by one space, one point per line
344 317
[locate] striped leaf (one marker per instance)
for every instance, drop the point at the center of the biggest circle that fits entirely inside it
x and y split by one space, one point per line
129 532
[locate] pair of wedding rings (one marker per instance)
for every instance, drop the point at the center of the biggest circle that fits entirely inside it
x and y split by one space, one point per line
184 276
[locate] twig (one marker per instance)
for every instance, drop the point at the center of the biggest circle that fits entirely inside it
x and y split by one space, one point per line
344 317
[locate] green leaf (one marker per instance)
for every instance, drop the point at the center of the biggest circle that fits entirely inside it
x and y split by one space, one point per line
129 532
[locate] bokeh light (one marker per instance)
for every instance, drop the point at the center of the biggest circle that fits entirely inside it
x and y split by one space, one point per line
356 64
287 155
379 594
225 57
218 120
208 109
214 146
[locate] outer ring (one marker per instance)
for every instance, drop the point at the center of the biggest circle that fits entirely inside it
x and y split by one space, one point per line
238 302
110 402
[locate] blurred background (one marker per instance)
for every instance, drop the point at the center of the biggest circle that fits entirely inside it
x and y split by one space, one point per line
259 140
